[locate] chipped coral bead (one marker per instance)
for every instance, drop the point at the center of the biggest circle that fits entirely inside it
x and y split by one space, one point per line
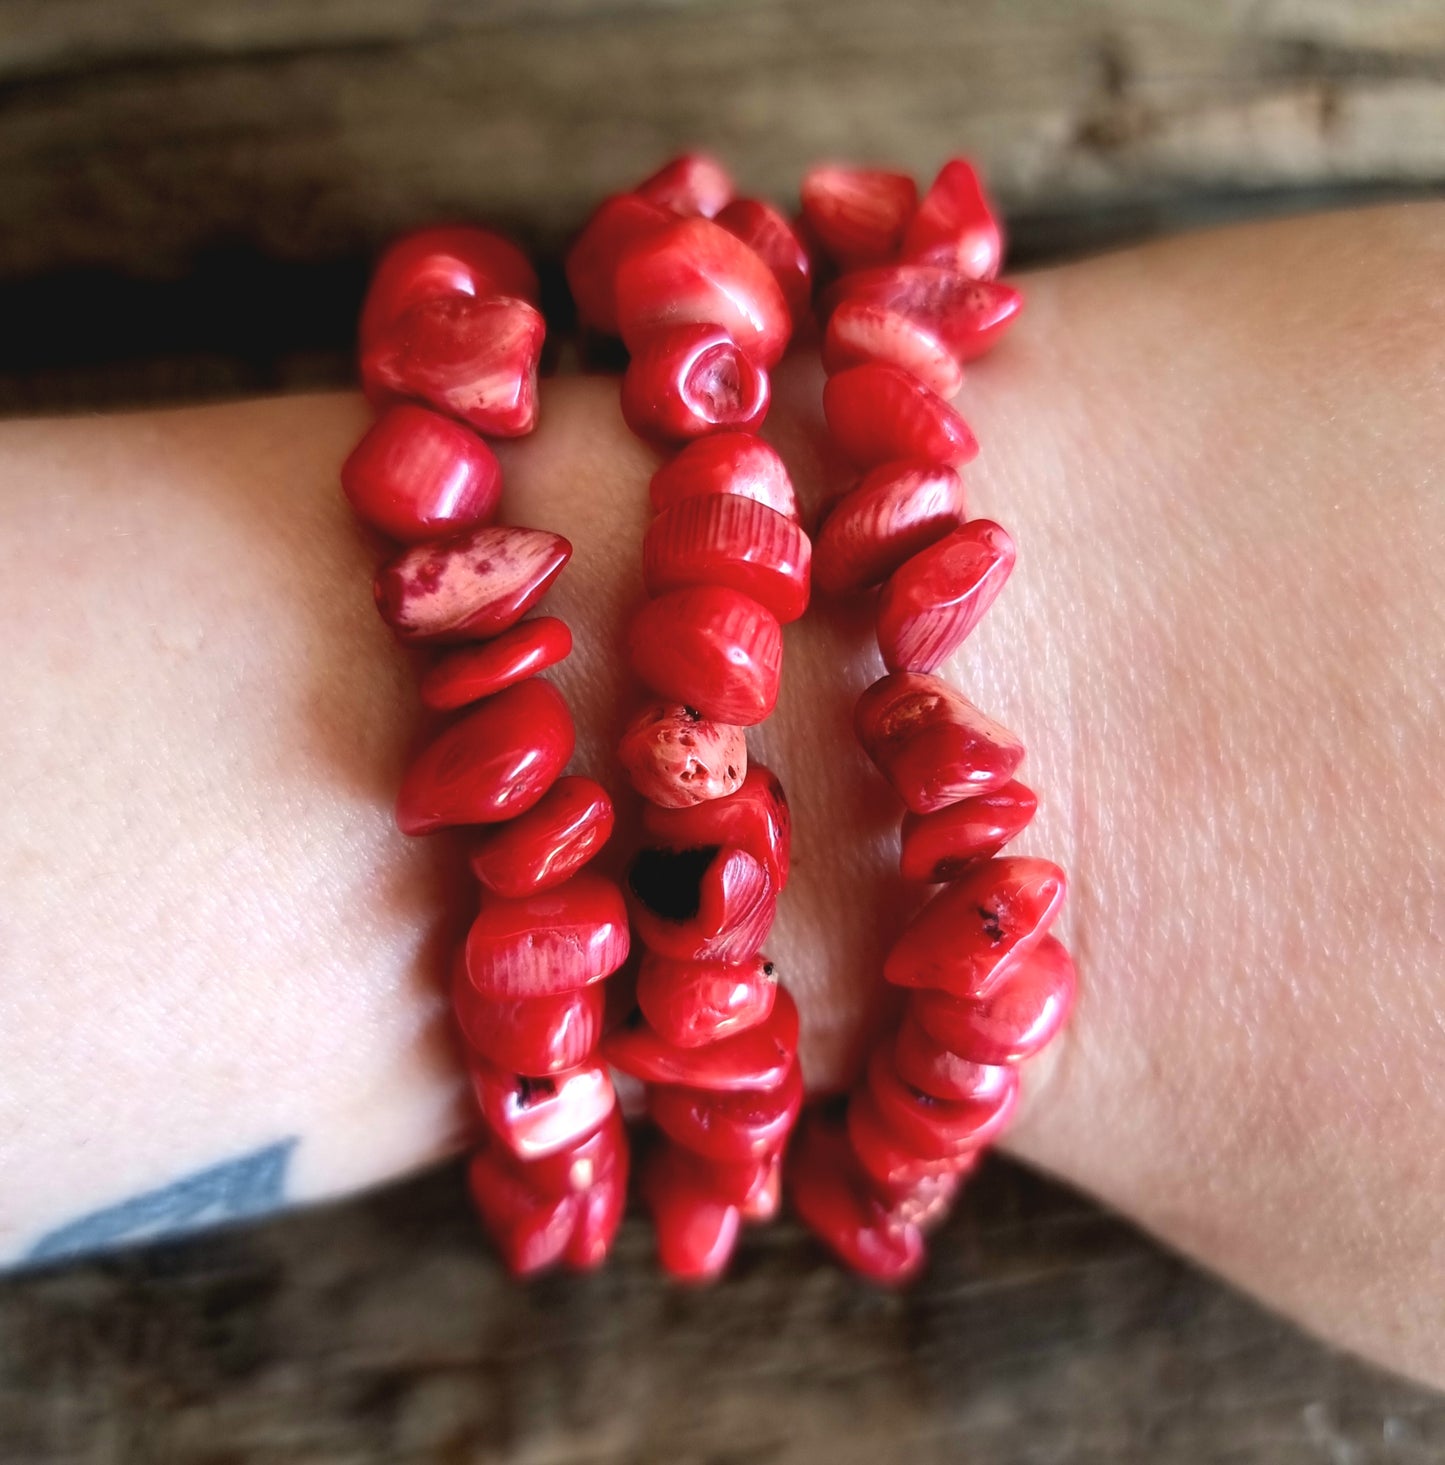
729 1127
933 601
967 317
470 587
955 225
765 231
692 1003
535 1116
530 1228
692 184
532 1035
675 757
858 215
938 1128
921 1061
695 271
491 764
879 414
712 648
468 675
1017 1020
472 358
941 846
592 260
555 941
725 463
729 540
549 843
896 510
973 933
696 1230
685 381
932 744
417 475
755 819
760 1058
862 331
709 904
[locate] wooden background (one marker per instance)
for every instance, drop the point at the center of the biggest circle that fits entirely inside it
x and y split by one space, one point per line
189 191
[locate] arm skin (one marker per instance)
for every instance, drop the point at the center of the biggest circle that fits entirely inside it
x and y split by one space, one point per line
1224 645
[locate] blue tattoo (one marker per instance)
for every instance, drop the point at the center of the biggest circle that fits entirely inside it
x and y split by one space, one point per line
247 1186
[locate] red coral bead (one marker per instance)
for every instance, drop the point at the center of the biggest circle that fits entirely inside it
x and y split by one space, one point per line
890 1165
689 380
765 231
955 225
532 1035
434 263
474 359
676 757
971 935
966 317
696 271
725 539
492 764
417 475
702 904
932 602
600 1210
760 1058
696 1231
556 941
579 1166
1023 1013
728 1127
941 846
536 1116
921 1061
862 331
933 745
593 258
692 1003
896 510
725 463
937 1128
479 671
549 843
691 184
878 414
530 1228
858 214
755 819
470 587
712 648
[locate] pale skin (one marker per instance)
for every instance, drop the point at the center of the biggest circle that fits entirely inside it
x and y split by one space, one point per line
1224 646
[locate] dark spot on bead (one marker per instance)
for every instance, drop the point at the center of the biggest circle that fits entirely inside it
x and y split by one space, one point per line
531 1090
732 772
992 923
669 882
692 714
769 969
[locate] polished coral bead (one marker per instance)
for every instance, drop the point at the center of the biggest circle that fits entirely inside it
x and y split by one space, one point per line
530 1228
971 935
691 184
695 271
755 819
534 1035
417 475
725 463
879 414
937 1128
549 843
932 744
688 380
1016 1021
891 1167
760 1058
536 1116
725 539
468 675
921 1061
955 225
472 358
863 331
896 510
556 941
731 1127
764 230
712 648
579 1166
470 587
696 1230
932 602
692 1003
941 846
710 904
675 757
435 263
858 214
594 256
492 764
966 317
